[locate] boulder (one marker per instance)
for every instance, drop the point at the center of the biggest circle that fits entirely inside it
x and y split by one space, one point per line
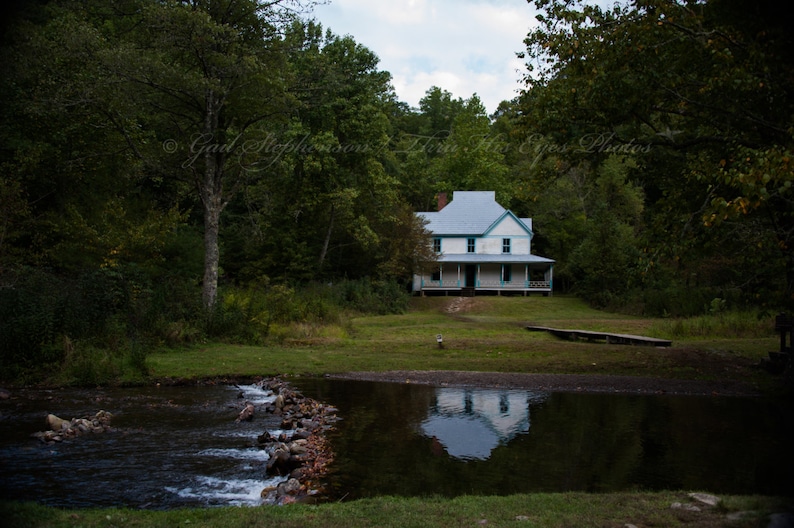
705 498
287 423
266 438
297 449
247 414
290 487
279 462
57 424
301 434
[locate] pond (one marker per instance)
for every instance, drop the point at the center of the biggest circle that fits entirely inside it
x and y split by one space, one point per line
181 447
405 439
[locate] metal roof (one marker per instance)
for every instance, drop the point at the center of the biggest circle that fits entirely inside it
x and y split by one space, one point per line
469 213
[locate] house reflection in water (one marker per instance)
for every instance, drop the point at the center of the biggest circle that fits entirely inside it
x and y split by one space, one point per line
470 423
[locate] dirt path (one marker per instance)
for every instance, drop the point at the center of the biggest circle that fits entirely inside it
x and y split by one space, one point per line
459 304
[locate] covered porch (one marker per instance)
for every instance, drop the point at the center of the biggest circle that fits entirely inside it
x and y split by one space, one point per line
470 275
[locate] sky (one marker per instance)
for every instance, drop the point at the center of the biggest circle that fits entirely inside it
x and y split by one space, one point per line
461 46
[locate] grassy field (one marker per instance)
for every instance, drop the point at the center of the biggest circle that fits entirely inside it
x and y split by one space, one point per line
488 334
574 510
480 334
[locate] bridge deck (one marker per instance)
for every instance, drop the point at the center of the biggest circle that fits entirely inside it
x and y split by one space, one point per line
621 339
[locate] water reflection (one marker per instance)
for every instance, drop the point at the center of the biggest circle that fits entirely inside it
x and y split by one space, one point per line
469 424
413 440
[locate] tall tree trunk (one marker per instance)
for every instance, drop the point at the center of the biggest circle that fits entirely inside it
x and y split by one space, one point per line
209 290
211 191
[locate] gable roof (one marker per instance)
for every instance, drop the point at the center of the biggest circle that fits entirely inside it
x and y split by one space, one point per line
506 214
469 213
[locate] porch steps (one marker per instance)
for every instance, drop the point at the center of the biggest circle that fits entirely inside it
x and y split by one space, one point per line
619 339
467 291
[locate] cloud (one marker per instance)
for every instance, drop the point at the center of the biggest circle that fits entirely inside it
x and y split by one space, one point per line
462 46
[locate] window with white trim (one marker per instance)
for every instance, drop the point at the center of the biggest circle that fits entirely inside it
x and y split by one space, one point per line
505 245
470 245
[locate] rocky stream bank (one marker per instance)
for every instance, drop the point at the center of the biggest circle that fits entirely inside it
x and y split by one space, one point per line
300 450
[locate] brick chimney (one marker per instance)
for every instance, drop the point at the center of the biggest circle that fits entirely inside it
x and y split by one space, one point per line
442 200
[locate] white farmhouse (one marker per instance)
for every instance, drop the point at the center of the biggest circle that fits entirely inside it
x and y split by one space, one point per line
482 247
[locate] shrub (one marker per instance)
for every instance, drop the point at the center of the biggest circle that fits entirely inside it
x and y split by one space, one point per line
375 297
47 316
725 324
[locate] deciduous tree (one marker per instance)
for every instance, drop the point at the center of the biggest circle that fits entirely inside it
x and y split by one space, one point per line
698 92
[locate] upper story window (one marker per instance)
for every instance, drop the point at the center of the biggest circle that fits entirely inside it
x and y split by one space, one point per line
505 245
437 245
470 245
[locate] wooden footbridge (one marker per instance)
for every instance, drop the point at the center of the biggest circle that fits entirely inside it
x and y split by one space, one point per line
620 339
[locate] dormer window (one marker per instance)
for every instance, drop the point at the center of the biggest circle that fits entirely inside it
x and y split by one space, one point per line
505 245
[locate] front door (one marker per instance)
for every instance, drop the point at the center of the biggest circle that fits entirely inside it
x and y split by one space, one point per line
471 275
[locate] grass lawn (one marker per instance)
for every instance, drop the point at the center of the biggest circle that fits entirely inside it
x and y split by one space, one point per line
488 334
542 510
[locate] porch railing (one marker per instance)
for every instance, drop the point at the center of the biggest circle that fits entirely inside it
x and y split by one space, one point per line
487 284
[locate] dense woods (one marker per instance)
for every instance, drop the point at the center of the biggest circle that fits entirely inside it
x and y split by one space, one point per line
182 170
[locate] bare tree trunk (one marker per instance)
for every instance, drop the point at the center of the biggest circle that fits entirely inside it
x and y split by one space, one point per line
209 289
211 191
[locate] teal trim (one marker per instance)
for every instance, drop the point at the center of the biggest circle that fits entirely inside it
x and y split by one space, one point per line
502 217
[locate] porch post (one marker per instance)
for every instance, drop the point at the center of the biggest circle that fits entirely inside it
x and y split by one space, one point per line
458 275
477 282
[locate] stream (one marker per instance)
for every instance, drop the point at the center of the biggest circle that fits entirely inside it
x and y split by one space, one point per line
172 447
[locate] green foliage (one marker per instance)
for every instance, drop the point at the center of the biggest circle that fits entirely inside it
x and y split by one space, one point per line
372 297
471 157
696 93
85 322
722 324
669 300
328 207
259 313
